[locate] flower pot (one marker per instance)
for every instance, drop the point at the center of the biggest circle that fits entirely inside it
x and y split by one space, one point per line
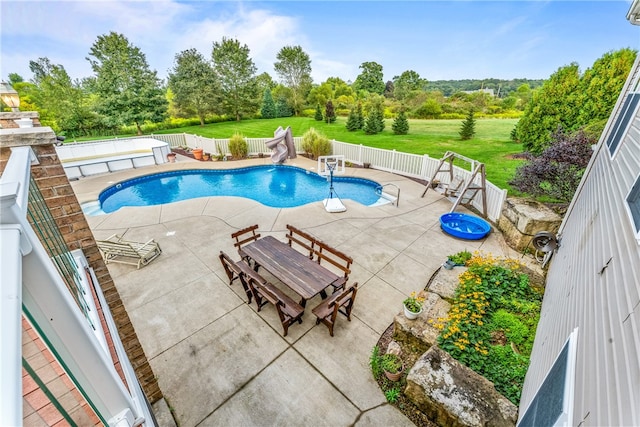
410 314
205 157
171 157
448 264
394 376
197 153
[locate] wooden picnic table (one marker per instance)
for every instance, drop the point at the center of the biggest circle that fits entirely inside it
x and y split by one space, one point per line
304 276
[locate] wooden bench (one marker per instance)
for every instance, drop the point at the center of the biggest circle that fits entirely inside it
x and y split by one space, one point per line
336 258
241 239
114 249
301 238
235 270
340 302
288 310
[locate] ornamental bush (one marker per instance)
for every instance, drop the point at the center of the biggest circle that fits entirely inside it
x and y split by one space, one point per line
238 146
315 144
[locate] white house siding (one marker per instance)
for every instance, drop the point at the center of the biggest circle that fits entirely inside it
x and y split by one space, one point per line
599 297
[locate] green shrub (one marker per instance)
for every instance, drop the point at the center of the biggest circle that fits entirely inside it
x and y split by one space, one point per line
238 146
315 144
375 362
392 395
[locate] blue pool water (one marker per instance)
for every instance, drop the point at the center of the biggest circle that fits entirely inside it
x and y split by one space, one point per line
278 186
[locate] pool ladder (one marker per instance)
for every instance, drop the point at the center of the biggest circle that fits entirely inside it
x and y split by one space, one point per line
394 199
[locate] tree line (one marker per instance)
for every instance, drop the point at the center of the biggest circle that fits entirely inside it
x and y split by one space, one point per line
124 93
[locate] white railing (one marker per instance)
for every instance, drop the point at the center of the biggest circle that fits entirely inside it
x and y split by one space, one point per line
26 269
411 165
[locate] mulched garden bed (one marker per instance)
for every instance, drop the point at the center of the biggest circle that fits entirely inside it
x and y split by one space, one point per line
405 405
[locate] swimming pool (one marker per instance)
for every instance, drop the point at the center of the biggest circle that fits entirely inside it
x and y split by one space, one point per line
277 186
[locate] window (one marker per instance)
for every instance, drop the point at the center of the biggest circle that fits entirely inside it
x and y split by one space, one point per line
633 206
622 121
553 403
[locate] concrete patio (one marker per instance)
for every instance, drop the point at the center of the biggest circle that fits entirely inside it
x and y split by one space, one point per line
219 361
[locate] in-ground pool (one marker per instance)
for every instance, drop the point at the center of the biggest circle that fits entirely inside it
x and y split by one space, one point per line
278 186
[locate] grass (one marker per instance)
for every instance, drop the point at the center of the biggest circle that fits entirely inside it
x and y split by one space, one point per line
491 145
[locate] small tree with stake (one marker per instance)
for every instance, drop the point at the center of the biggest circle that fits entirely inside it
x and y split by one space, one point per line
329 112
468 129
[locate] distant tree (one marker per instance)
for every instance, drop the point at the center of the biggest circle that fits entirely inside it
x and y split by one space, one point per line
268 110
265 81
236 73
400 124
194 85
553 105
62 103
318 116
468 128
320 94
127 91
389 88
294 68
430 109
557 171
370 79
15 78
329 112
406 83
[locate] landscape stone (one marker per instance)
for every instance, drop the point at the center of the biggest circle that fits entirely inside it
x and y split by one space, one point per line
394 348
451 394
446 282
419 335
521 219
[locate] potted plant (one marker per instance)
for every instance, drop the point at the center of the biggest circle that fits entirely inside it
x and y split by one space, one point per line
206 156
458 259
412 306
392 366
197 153
171 157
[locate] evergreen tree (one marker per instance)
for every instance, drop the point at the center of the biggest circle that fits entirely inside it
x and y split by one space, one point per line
329 112
353 123
374 122
282 108
359 117
468 128
268 110
400 124
318 115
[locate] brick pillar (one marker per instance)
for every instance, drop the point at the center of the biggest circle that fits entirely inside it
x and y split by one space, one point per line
66 210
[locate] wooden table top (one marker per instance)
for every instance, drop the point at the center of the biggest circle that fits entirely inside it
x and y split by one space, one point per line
304 276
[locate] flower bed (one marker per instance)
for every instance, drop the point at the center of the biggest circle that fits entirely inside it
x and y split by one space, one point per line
492 322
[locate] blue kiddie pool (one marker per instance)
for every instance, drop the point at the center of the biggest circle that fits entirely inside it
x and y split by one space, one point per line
464 226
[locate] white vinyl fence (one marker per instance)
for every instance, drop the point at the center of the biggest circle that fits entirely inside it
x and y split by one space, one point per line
411 165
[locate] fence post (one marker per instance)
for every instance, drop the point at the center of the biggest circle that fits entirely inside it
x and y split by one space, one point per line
360 154
423 171
393 161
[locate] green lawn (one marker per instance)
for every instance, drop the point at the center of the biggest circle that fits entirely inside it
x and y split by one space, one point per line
491 144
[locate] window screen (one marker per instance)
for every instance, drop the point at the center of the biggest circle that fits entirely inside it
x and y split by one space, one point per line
622 121
553 402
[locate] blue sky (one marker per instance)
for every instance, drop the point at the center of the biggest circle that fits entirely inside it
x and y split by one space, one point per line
438 39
